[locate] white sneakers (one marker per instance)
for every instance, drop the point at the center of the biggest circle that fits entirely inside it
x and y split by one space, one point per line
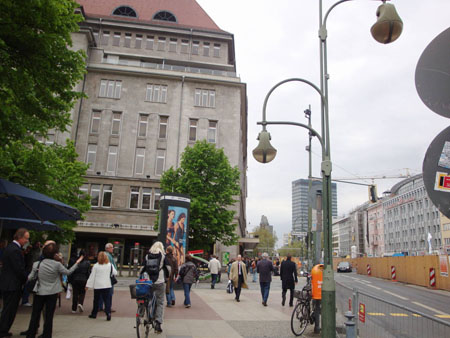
80 308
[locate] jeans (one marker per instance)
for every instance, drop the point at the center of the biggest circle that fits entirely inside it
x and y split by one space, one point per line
171 295
187 292
105 294
100 302
49 301
214 279
255 273
265 288
78 293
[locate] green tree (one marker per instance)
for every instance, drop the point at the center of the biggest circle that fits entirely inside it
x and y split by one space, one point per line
267 241
38 71
51 170
206 175
295 248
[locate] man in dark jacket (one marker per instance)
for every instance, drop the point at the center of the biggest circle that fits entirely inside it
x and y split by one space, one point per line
288 275
265 268
13 278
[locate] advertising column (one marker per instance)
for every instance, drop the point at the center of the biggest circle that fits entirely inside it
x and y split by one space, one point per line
174 223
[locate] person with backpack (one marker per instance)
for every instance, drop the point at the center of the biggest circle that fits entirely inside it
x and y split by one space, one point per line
158 268
189 275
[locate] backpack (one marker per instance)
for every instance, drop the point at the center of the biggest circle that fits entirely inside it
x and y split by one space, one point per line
152 266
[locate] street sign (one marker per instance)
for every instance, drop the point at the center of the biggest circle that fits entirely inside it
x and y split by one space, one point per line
299 233
436 171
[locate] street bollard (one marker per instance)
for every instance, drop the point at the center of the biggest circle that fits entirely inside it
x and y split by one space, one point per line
350 326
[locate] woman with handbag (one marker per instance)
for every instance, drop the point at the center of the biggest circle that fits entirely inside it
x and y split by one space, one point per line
47 274
101 279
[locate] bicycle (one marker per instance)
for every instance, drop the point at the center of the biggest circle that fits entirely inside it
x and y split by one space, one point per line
145 313
302 314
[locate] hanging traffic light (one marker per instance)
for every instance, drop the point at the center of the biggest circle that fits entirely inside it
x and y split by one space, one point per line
373 198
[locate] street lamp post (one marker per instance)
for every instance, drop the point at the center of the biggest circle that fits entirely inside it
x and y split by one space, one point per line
387 29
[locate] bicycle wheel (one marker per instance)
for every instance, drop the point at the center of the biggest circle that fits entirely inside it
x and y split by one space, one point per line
142 327
298 321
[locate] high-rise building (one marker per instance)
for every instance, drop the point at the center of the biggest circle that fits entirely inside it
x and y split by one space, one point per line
300 204
160 75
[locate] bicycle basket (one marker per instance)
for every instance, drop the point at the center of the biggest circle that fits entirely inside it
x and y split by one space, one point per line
132 291
143 288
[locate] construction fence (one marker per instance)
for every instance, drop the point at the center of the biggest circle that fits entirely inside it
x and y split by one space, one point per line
429 271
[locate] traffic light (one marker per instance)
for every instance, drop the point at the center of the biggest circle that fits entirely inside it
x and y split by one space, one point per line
373 198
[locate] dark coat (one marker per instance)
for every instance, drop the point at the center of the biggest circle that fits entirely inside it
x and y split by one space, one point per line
288 274
81 274
265 268
14 274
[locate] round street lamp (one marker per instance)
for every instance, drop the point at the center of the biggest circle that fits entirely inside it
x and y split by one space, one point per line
387 29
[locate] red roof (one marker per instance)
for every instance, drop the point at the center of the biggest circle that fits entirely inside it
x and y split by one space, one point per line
187 12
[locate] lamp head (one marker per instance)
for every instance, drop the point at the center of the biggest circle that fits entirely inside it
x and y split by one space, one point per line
264 152
388 26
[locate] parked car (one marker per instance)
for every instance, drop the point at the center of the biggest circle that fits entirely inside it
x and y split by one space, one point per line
344 267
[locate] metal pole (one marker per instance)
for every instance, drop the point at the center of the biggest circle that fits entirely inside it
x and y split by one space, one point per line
308 244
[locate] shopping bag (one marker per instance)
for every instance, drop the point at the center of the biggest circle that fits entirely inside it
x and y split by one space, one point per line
69 291
230 286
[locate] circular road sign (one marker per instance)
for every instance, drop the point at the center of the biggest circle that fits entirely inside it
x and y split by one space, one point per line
436 171
433 74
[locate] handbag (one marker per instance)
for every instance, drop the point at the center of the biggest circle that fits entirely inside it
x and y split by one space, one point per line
30 285
113 278
230 286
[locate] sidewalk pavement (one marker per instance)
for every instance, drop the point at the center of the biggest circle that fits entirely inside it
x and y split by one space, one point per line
214 314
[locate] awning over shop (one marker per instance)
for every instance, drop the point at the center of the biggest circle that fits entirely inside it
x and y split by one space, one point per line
249 243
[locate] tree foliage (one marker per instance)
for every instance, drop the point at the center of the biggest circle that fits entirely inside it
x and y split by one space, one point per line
295 248
206 175
267 241
38 72
51 170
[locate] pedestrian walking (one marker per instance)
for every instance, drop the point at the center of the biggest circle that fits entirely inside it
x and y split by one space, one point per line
265 268
254 270
100 281
78 279
170 295
288 275
109 248
238 275
48 272
189 275
13 278
214 267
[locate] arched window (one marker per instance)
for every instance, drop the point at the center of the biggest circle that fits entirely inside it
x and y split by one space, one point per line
125 11
165 16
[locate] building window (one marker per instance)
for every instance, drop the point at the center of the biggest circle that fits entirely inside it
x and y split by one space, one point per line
95 32
165 16
156 93
95 195
205 48
212 131
112 160
105 38
127 42
125 11
216 52
140 160
184 46
115 128
134 197
95 121
163 127
157 196
116 39
138 41
142 128
160 159
146 198
107 196
205 98
161 44
195 47
173 45
193 130
149 42
91 155
110 89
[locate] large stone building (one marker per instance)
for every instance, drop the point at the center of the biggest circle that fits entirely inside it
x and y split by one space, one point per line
160 76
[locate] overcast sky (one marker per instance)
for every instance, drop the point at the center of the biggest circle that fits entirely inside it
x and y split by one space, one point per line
379 126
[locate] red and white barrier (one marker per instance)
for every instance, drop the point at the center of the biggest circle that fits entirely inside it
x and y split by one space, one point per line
393 274
369 271
432 278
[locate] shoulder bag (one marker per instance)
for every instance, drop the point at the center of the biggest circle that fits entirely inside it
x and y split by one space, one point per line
29 286
113 278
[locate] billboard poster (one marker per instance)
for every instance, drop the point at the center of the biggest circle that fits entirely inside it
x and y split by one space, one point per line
174 224
443 266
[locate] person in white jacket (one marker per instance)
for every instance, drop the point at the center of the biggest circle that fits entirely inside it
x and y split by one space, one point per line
100 281
214 266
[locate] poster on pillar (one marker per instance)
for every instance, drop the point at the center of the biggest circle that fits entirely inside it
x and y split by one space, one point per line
174 223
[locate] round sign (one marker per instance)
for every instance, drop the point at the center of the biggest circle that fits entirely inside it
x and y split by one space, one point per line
433 75
436 171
